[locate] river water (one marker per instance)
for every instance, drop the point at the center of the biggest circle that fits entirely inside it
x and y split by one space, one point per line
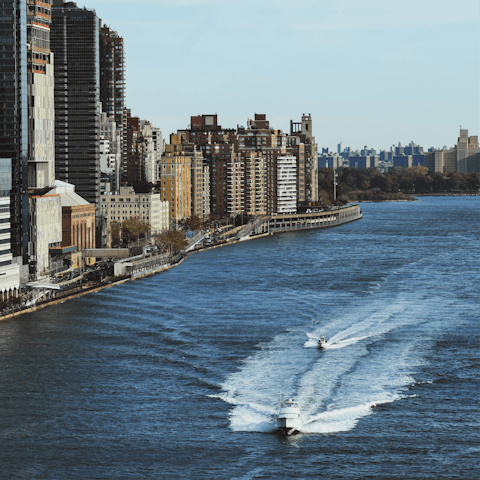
179 375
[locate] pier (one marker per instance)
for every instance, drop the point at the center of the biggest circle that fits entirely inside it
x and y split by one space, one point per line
307 221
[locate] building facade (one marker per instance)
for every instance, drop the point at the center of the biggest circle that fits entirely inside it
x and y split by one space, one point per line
463 158
46 230
175 170
127 204
305 150
113 81
41 118
110 154
75 44
78 217
14 119
358 161
287 185
9 271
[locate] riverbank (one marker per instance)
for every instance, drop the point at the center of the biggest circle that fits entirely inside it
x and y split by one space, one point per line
449 194
261 227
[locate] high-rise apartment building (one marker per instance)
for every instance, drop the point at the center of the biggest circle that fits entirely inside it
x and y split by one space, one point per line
75 44
197 183
219 151
268 143
45 210
9 271
112 80
110 153
466 147
41 151
14 120
175 183
287 184
150 173
307 158
253 185
463 158
133 171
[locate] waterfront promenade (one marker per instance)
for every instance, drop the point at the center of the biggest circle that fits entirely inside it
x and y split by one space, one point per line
140 266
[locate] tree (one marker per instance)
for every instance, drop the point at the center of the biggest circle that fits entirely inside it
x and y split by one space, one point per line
407 184
192 223
382 182
172 241
116 230
133 228
423 184
453 182
473 182
438 182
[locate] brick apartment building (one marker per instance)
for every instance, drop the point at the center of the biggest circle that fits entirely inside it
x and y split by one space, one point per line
244 166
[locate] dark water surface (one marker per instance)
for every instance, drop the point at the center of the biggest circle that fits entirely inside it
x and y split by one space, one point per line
179 375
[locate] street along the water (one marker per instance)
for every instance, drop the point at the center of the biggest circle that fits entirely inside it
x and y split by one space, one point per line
179 375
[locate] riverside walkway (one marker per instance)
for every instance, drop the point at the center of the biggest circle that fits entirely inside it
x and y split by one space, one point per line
143 265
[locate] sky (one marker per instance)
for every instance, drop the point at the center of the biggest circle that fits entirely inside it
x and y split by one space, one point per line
370 72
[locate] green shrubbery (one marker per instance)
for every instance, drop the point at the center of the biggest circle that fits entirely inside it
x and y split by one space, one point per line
398 184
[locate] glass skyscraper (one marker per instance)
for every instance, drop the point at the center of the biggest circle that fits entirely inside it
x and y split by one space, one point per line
14 116
75 44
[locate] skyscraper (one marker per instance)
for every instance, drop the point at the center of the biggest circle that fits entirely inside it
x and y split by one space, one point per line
305 149
75 44
14 117
112 81
45 211
41 123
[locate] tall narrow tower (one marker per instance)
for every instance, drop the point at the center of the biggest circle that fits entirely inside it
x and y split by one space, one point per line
74 40
41 109
112 81
14 118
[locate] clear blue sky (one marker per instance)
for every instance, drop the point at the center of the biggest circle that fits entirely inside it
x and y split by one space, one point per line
371 72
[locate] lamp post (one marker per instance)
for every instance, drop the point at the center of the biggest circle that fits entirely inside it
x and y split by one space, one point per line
335 186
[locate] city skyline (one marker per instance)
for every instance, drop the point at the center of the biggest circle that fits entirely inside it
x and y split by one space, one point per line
375 75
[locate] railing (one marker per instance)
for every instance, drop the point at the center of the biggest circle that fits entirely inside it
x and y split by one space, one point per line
317 223
147 264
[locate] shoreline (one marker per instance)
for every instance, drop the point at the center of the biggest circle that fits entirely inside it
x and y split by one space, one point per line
447 194
96 288
414 199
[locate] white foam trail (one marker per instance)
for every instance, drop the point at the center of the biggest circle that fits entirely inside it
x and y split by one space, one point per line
251 475
337 387
343 419
313 342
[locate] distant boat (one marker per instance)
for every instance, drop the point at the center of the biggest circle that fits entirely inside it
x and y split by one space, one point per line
322 342
289 420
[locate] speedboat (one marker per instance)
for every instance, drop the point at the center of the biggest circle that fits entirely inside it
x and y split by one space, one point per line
322 342
288 420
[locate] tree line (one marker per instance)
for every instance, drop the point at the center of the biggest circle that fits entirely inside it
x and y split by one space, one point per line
397 184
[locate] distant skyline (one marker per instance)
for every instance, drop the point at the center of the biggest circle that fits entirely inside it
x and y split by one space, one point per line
371 73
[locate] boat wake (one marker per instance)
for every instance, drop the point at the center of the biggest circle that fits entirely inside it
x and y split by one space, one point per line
313 342
368 362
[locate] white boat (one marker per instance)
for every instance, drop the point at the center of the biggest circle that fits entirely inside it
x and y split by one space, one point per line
288 420
322 342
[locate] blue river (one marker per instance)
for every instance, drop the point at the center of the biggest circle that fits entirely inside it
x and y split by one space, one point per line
179 375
